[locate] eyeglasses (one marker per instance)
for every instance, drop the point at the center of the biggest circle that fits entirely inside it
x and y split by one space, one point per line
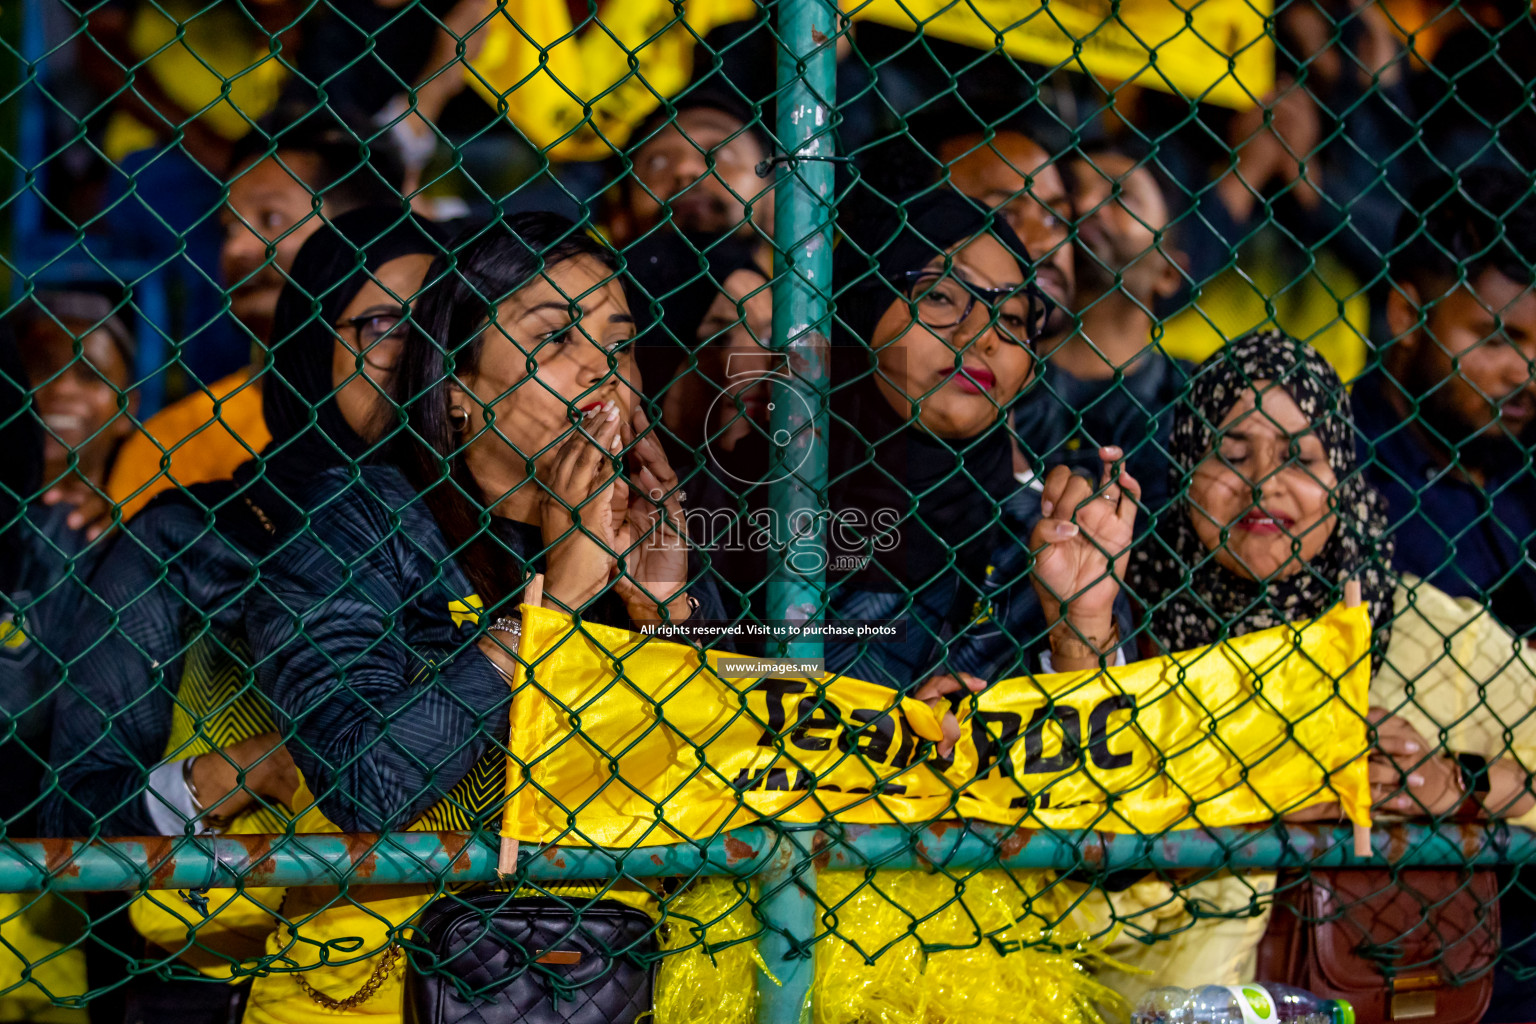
376 336
943 300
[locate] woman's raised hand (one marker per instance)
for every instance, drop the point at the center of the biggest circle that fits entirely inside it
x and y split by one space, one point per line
653 536
580 527
1082 543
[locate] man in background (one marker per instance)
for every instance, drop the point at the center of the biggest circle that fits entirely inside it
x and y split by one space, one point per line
1014 174
695 168
1109 383
1446 426
280 191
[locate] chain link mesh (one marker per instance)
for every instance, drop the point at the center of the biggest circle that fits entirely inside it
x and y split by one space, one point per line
745 330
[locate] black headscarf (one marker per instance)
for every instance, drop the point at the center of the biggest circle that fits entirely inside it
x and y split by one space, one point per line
307 427
948 490
1193 600
309 432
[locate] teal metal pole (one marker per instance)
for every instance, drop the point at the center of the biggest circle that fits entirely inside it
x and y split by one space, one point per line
797 482
786 905
802 288
403 858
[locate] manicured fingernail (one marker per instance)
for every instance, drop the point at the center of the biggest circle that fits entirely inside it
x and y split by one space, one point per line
1047 507
1415 780
1411 747
613 411
1066 530
616 443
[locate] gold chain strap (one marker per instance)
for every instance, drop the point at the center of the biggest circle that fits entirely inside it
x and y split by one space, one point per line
375 980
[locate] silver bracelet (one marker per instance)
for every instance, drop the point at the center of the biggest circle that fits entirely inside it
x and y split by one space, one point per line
507 624
186 776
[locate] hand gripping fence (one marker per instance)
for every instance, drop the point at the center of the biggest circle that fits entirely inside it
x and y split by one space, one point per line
930 509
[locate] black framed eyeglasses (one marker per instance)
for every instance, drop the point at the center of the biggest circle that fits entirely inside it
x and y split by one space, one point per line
942 300
376 335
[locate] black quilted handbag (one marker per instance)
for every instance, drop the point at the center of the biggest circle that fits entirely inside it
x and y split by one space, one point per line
495 958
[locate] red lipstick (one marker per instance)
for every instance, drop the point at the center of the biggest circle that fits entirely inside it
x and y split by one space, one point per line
974 379
1257 520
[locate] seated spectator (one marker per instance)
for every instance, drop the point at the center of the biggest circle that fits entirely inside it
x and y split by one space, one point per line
45 568
694 312
693 165
1110 384
1275 520
44 571
1446 425
85 401
380 773
1016 176
180 83
933 341
271 212
706 364
1446 428
163 732
405 724
171 581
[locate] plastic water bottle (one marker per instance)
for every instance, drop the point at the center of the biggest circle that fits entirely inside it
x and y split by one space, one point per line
1240 1004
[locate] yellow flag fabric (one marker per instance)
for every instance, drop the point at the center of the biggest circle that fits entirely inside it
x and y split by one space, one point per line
623 740
577 92
1216 50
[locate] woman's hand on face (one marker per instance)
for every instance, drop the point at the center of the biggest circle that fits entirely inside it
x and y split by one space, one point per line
1407 776
934 693
1082 543
652 537
580 528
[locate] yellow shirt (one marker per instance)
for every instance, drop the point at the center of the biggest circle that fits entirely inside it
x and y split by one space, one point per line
1324 306
201 438
576 92
1459 677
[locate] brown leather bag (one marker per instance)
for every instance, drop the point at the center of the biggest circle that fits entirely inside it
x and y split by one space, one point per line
1398 945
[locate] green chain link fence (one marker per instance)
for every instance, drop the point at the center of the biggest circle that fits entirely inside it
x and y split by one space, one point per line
865 836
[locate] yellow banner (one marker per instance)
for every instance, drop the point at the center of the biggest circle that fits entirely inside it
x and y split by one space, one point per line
621 740
577 92
1212 50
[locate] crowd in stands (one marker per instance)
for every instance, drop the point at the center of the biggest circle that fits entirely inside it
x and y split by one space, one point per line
1111 375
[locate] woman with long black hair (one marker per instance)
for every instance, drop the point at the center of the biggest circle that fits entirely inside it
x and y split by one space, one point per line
521 397
379 629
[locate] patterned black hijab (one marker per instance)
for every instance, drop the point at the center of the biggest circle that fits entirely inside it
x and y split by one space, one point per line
1191 599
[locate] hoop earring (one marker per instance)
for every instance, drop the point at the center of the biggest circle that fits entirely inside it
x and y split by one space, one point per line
458 418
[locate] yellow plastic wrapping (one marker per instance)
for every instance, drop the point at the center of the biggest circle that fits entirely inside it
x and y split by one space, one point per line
41 962
899 919
707 979
999 974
